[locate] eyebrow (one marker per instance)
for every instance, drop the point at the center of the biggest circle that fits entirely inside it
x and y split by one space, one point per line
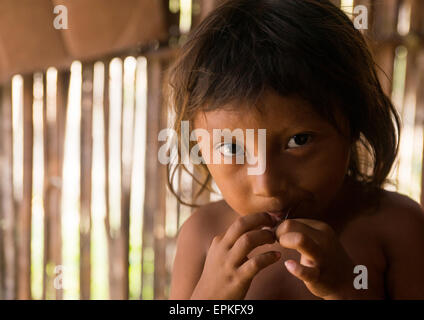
302 119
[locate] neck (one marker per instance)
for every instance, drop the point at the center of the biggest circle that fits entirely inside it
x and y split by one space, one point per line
341 210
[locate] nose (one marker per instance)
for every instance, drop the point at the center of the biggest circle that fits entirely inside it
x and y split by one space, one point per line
269 184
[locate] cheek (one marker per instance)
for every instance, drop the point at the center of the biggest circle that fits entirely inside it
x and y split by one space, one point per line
324 174
233 187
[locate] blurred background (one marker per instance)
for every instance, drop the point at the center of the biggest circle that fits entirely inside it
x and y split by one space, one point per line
84 208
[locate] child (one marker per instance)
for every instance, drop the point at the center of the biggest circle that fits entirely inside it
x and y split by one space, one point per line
316 223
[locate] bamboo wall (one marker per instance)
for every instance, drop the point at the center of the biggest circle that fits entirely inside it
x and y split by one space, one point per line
120 112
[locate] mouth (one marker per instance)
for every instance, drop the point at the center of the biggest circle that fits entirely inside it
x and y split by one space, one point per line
281 214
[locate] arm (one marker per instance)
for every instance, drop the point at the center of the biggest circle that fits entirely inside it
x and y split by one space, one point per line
189 258
405 253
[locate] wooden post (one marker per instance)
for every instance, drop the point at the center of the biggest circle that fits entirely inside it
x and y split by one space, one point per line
172 19
2 212
206 7
86 172
384 55
24 218
63 80
420 114
7 207
384 19
46 193
54 134
118 240
113 288
417 17
417 28
155 195
126 174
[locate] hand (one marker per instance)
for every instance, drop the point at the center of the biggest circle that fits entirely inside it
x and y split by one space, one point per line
228 272
325 267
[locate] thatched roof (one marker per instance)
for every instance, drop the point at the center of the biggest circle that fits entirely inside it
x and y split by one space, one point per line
30 42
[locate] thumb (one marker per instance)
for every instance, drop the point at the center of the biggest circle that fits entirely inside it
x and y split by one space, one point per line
304 273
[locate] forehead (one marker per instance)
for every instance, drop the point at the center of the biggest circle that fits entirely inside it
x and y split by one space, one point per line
273 111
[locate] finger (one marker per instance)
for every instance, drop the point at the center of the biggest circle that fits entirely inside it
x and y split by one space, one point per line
244 224
255 264
316 224
307 274
303 244
294 225
247 242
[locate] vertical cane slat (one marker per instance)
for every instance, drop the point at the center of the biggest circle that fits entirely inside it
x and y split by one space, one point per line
7 207
154 206
24 216
86 166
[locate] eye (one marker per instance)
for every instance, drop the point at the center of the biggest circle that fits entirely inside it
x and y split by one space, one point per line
230 149
299 140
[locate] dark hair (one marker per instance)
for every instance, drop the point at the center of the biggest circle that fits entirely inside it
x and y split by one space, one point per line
306 48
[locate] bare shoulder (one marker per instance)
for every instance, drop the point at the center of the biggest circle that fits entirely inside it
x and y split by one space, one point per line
401 221
399 213
193 241
208 221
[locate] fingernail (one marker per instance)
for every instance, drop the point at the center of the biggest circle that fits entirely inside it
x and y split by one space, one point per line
289 264
275 219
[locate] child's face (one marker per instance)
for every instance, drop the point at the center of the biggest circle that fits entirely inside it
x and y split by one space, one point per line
306 158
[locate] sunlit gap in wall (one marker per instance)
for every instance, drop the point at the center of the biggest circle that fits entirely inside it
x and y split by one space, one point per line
409 175
99 287
347 7
51 117
409 161
71 187
18 140
135 104
404 18
185 15
37 215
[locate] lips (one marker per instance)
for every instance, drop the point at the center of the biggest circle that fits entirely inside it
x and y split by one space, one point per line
284 213
281 214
